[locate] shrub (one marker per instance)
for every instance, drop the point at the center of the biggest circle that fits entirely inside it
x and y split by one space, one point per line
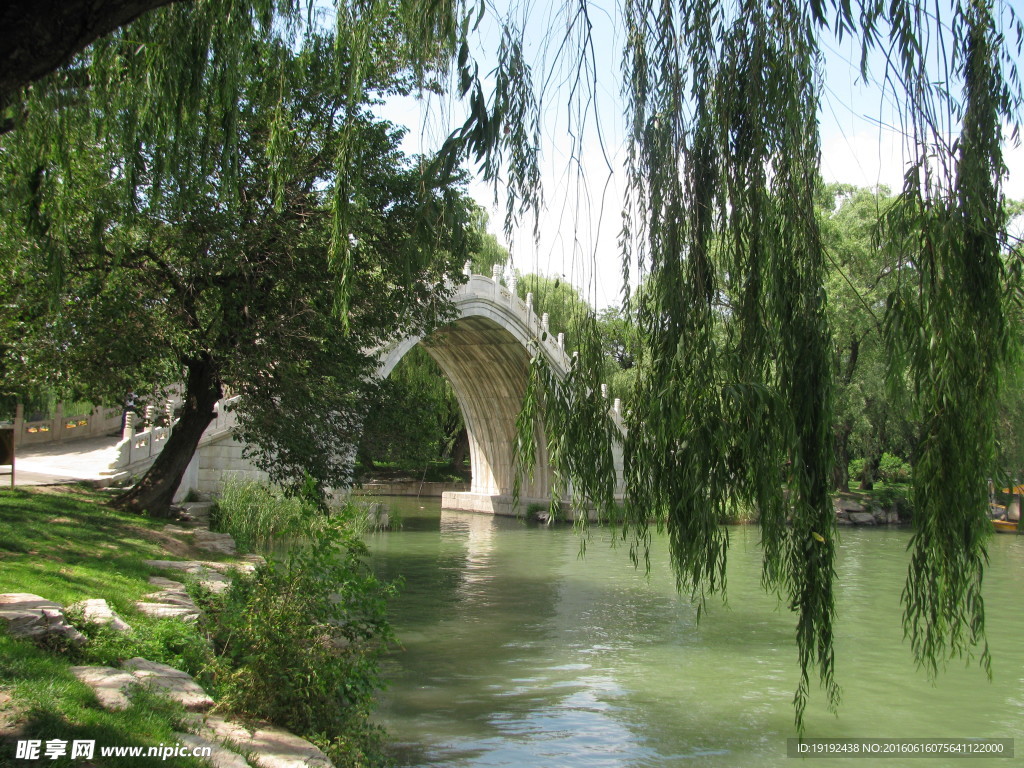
300 641
256 513
893 469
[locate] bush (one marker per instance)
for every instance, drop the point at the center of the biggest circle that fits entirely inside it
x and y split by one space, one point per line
893 469
299 642
256 513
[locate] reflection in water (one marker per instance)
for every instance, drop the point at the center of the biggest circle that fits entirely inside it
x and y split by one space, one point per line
517 652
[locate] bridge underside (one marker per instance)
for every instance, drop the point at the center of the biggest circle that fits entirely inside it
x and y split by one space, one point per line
487 367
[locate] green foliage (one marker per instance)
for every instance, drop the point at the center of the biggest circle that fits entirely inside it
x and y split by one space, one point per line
299 641
225 245
56 705
256 514
893 469
416 417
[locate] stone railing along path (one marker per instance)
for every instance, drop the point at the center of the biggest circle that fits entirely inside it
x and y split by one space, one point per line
231 744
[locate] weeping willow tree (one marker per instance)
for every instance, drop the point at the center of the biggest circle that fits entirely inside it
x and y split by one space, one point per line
734 403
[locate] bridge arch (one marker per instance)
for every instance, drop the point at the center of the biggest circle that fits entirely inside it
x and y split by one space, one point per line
485 354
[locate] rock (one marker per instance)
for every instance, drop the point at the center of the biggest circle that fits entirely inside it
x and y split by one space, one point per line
269 747
108 684
221 543
160 581
97 611
201 566
220 756
197 513
166 611
848 505
862 518
207 573
171 597
178 530
31 616
170 682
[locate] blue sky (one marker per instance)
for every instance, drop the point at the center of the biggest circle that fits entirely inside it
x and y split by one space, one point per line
579 226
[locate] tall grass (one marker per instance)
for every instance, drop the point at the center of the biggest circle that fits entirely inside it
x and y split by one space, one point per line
256 514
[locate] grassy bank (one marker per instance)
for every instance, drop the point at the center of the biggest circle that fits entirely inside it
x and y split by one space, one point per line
294 644
62 544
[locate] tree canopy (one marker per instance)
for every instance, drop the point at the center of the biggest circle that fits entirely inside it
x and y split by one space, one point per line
196 260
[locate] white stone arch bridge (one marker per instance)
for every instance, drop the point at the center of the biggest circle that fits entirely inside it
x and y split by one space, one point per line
485 353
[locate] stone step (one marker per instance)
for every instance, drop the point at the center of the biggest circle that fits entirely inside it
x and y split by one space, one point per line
97 611
170 682
33 617
110 685
269 747
220 756
167 611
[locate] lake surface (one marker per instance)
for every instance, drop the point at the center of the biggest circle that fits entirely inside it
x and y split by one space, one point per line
517 651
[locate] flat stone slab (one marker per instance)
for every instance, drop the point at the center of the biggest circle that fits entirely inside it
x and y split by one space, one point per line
269 747
220 756
97 611
170 682
167 611
862 518
160 581
221 543
171 597
31 616
207 574
848 505
109 685
199 566
177 530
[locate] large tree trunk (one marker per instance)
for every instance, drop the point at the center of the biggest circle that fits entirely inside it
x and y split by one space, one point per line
37 36
154 493
459 449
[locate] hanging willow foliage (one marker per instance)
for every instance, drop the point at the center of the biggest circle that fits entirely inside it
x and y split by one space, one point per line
733 405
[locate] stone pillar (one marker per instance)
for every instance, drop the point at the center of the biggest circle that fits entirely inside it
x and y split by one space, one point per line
529 302
513 282
128 432
496 271
467 268
561 341
545 320
604 391
617 406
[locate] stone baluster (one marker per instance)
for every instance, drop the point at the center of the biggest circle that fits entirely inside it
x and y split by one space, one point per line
617 406
529 302
604 391
467 268
513 282
545 320
169 411
561 341
496 271
128 432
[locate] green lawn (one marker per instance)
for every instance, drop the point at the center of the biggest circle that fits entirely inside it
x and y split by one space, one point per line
63 544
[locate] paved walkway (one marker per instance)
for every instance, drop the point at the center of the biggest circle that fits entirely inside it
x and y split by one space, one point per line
63 462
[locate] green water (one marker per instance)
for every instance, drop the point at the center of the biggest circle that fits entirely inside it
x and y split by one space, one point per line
518 652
